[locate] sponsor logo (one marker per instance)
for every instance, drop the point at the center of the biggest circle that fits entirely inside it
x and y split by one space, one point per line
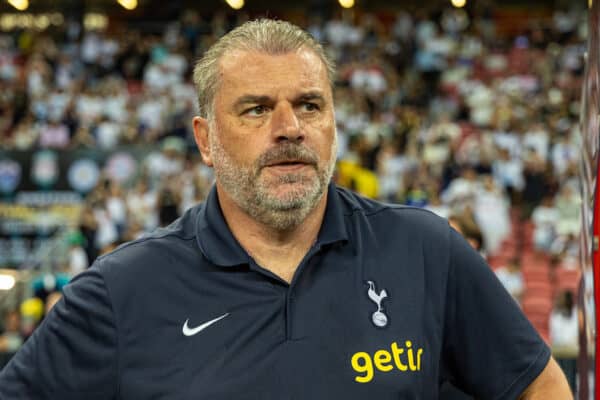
10 175
403 359
83 175
121 167
45 169
187 331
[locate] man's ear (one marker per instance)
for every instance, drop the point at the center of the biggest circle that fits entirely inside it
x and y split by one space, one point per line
202 141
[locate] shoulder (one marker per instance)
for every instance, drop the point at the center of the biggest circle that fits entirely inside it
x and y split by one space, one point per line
391 218
154 251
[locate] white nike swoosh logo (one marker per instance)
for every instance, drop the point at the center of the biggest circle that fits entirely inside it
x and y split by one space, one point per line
187 331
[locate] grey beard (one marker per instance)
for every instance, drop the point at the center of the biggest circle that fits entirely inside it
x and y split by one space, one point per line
244 187
279 214
286 214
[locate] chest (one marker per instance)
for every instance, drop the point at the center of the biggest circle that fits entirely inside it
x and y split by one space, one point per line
347 327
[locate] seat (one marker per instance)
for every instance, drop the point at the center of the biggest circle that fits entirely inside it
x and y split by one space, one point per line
536 274
539 288
537 305
567 279
539 264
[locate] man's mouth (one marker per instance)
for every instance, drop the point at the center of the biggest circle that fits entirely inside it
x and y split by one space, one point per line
287 159
286 163
287 166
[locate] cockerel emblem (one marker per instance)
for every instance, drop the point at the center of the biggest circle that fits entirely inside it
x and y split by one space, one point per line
379 318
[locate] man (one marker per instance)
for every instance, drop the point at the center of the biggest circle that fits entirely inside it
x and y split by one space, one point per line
282 286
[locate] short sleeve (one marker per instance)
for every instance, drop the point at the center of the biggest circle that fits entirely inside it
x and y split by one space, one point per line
73 354
490 349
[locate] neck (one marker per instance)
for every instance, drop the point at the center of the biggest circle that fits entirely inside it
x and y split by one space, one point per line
279 251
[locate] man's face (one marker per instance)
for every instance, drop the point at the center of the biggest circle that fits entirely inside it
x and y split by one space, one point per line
272 140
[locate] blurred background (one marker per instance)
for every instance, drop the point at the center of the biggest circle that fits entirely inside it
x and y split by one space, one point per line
469 108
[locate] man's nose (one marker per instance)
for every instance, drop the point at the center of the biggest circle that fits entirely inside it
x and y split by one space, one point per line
285 124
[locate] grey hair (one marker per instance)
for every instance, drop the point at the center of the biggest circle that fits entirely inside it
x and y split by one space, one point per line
262 35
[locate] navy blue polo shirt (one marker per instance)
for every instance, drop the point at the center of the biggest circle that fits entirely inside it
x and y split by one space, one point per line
388 303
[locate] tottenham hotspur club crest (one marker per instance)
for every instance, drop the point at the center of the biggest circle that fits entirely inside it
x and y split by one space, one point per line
379 318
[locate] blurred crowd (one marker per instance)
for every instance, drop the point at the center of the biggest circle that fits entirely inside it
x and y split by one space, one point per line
433 110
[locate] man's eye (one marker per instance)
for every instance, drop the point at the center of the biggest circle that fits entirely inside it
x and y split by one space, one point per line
256 111
310 107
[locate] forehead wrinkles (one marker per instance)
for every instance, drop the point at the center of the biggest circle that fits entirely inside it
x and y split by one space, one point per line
259 70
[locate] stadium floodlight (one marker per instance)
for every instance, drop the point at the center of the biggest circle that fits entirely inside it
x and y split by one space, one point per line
459 3
93 21
235 4
128 4
20 5
346 3
7 282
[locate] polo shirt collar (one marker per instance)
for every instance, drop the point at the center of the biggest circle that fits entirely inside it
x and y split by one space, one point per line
333 228
216 241
220 247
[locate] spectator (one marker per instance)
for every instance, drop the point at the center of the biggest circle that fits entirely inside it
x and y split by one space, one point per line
426 104
535 181
78 258
168 206
511 277
107 133
51 300
169 162
508 171
537 139
88 226
25 135
564 335
107 234
435 205
54 135
465 224
462 190
10 339
568 206
545 218
491 210
115 206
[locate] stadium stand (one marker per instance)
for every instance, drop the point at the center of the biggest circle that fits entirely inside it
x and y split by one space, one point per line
469 114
